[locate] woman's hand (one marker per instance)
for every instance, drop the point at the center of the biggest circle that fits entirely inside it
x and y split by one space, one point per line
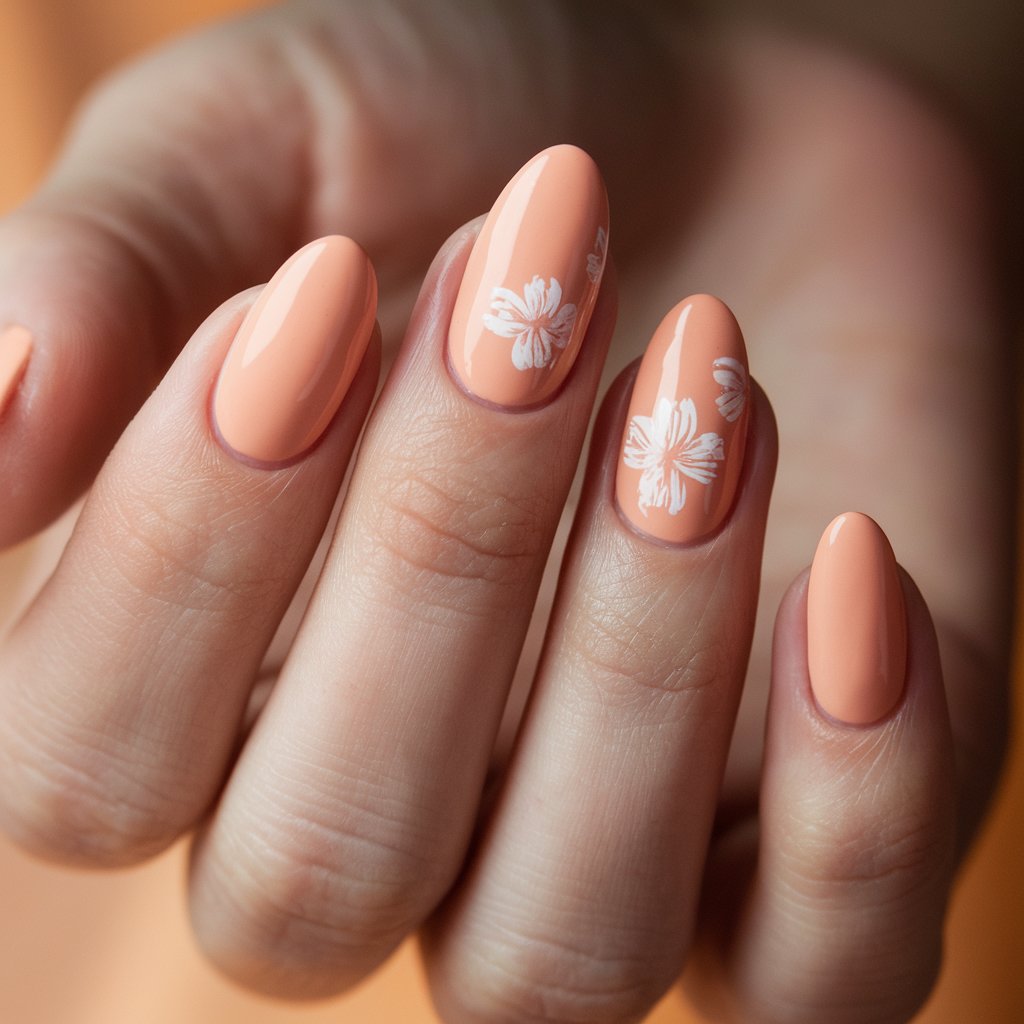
844 227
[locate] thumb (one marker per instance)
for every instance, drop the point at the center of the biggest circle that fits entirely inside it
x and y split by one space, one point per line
191 175
155 210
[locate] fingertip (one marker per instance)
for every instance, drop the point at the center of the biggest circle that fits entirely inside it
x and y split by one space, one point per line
744 522
888 776
294 357
843 920
856 622
856 593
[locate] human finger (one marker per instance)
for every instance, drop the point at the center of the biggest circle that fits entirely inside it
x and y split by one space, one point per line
124 686
348 814
843 918
154 214
580 898
193 172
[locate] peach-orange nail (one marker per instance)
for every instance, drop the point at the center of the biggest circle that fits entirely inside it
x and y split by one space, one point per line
683 444
856 622
531 281
297 351
15 349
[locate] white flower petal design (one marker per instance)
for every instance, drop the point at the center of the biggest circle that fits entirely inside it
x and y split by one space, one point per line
537 321
595 260
664 447
732 375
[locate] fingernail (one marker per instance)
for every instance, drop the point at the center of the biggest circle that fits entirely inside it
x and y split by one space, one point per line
15 349
531 281
297 351
856 622
683 444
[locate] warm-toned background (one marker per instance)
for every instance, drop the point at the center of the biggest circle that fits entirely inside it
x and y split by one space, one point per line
79 948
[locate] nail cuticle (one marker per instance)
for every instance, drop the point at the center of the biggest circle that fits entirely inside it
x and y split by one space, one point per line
505 410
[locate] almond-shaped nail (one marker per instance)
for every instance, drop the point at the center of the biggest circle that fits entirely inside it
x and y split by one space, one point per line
15 349
297 351
531 281
856 622
686 432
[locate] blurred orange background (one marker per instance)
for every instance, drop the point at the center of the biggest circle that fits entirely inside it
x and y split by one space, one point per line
80 948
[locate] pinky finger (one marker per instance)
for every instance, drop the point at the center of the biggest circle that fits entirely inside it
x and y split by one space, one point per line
842 921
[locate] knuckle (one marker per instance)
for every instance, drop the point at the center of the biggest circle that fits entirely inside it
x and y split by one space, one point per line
901 854
167 544
84 806
93 219
623 652
883 990
317 904
899 857
446 536
528 978
880 1002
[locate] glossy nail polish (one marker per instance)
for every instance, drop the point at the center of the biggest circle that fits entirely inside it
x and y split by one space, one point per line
856 622
15 350
531 281
296 352
685 434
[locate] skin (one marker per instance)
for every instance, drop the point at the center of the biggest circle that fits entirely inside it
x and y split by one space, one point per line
848 228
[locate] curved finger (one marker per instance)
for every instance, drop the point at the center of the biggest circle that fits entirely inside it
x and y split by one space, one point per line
349 812
194 172
155 212
843 919
579 901
123 688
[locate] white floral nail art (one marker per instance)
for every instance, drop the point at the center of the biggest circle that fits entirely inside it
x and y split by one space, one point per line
665 448
537 321
595 260
732 375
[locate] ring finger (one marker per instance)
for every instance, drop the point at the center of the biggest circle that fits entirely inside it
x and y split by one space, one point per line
580 901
